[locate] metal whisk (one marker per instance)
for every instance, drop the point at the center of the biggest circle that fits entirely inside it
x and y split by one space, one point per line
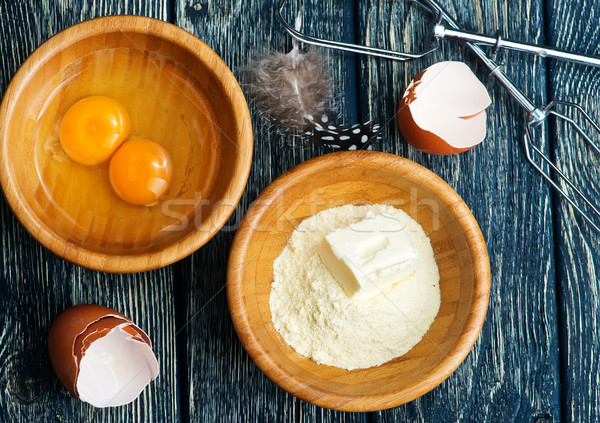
446 27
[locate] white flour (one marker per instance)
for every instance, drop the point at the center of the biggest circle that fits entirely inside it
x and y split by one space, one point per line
315 317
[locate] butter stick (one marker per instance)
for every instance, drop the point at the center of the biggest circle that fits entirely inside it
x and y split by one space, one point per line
368 256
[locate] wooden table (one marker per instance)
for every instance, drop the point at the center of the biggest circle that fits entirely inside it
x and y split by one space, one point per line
536 359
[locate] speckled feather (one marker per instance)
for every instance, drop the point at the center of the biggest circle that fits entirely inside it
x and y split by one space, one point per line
359 136
295 90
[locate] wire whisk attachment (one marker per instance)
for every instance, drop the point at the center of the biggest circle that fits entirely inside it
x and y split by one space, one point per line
546 167
446 27
356 48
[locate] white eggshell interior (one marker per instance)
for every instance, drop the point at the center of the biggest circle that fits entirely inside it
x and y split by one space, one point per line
450 102
115 369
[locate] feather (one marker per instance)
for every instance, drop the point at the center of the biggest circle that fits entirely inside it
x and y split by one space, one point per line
289 87
359 136
294 89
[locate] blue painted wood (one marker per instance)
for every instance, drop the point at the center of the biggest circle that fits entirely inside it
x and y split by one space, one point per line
578 259
512 374
224 383
544 262
36 285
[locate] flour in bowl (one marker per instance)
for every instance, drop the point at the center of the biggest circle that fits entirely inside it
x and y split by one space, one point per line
314 315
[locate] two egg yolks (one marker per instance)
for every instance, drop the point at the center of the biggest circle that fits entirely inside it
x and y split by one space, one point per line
95 128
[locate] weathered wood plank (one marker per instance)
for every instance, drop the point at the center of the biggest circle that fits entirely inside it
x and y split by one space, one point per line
512 373
36 285
224 383
578 260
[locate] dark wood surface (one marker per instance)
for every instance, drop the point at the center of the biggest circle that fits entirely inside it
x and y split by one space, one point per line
537 356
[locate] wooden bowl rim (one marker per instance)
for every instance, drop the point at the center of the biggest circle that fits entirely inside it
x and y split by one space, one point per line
361 403
119 263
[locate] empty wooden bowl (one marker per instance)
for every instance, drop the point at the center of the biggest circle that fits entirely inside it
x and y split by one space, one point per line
361 178
177 92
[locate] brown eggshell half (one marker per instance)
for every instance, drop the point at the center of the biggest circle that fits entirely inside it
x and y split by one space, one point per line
425 140
421 139
74 330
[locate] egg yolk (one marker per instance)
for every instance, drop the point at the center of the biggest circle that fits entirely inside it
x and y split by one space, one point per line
93 128
140 171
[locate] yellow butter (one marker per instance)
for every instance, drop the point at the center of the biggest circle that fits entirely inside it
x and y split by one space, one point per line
368 256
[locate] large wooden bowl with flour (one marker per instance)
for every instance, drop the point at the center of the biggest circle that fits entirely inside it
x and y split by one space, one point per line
359 178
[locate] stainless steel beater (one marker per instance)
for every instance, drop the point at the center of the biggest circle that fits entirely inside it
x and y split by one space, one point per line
446 27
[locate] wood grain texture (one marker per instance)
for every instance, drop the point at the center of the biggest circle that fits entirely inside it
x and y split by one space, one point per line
224 383
578 260
514 373
36 285
511 204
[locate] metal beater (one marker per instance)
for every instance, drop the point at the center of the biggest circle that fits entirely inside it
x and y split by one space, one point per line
446 27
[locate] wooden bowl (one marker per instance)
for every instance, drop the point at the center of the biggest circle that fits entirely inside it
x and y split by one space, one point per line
177 91
360 178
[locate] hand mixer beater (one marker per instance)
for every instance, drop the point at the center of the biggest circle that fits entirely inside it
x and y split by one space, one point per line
446 27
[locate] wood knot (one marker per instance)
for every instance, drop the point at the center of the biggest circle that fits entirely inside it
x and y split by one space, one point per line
196 9
28 377
543 418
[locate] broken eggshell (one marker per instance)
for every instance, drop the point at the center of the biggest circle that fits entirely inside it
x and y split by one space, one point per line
443 109
100 355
